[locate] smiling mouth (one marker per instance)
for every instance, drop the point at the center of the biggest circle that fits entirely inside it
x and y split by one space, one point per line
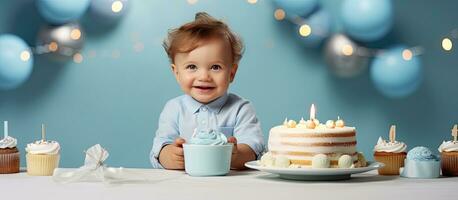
204 88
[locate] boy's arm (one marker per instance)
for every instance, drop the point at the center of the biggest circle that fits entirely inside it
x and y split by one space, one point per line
166 132
248 133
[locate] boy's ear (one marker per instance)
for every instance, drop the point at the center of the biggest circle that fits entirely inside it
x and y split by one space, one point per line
233 72
174 69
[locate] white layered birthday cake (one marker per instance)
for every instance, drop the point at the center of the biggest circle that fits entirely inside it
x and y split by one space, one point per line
313 144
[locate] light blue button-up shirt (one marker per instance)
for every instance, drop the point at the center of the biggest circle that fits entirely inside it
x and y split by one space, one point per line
230 114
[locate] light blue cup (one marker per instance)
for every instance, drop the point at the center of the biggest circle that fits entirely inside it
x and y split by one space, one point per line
207 160
421 169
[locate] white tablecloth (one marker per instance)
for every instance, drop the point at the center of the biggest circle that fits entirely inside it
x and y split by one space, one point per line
167 184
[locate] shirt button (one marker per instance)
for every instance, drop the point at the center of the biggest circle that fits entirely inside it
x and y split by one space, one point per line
204 109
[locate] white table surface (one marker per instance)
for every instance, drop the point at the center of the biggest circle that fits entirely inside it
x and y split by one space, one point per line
166 184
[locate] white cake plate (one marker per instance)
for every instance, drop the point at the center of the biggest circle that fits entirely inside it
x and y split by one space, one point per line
311 174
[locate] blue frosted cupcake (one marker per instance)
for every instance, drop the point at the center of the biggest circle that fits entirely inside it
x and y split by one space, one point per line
207 154
421 163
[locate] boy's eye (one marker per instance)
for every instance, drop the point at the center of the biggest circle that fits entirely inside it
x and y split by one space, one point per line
216 67
191 67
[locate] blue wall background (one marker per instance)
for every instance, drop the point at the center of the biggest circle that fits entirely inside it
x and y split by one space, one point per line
116 101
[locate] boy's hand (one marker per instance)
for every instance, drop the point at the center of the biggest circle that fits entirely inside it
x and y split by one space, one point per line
171 156
241 153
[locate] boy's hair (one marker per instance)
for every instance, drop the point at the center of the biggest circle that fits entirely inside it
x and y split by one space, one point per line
191 35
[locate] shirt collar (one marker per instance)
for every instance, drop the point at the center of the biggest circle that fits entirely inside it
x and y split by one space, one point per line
214 106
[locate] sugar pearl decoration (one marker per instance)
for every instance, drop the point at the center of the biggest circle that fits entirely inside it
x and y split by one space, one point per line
310 124
320 161
317 122
345 161
302 121
292 124
282 162
330 124
340 123
267 160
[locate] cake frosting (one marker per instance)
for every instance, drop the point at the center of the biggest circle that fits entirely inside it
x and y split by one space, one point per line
448 146
390 147
43 147
310 140
208 137
421 154
8 142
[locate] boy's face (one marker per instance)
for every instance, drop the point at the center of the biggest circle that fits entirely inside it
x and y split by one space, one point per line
205 72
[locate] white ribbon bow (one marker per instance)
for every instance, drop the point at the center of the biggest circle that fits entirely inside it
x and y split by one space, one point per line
94 170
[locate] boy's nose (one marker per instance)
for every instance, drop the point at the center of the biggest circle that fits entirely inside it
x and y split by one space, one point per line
204 75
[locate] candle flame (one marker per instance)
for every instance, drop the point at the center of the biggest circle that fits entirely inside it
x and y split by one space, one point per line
312 111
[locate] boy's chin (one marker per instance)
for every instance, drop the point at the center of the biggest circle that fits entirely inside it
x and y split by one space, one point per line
204 99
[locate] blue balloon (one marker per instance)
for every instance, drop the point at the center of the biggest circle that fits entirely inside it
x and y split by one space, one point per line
367 20
62 11
395 76
16 61
108 11
300 8
320 26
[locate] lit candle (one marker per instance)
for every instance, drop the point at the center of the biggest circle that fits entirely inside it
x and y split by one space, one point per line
43 133
392 133
5 129
312 112
312 115
455 132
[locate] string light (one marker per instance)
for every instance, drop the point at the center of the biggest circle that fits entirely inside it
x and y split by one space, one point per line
279 14
305 30
75 34
347 50
191 2
252 1
407 54
53 46
25 55
78 58
116 6
447 44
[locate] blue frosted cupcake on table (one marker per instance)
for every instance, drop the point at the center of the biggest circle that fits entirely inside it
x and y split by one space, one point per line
421 163
207 153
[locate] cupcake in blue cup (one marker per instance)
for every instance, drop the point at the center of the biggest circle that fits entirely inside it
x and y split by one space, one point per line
421 163
207 153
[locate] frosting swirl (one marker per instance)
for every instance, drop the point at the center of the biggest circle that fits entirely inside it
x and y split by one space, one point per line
208 137
421 154
448 146
46 147
390 147
8 142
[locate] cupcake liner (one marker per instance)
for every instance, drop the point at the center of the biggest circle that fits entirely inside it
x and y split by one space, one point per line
42 165
393 162
449 163
9 163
